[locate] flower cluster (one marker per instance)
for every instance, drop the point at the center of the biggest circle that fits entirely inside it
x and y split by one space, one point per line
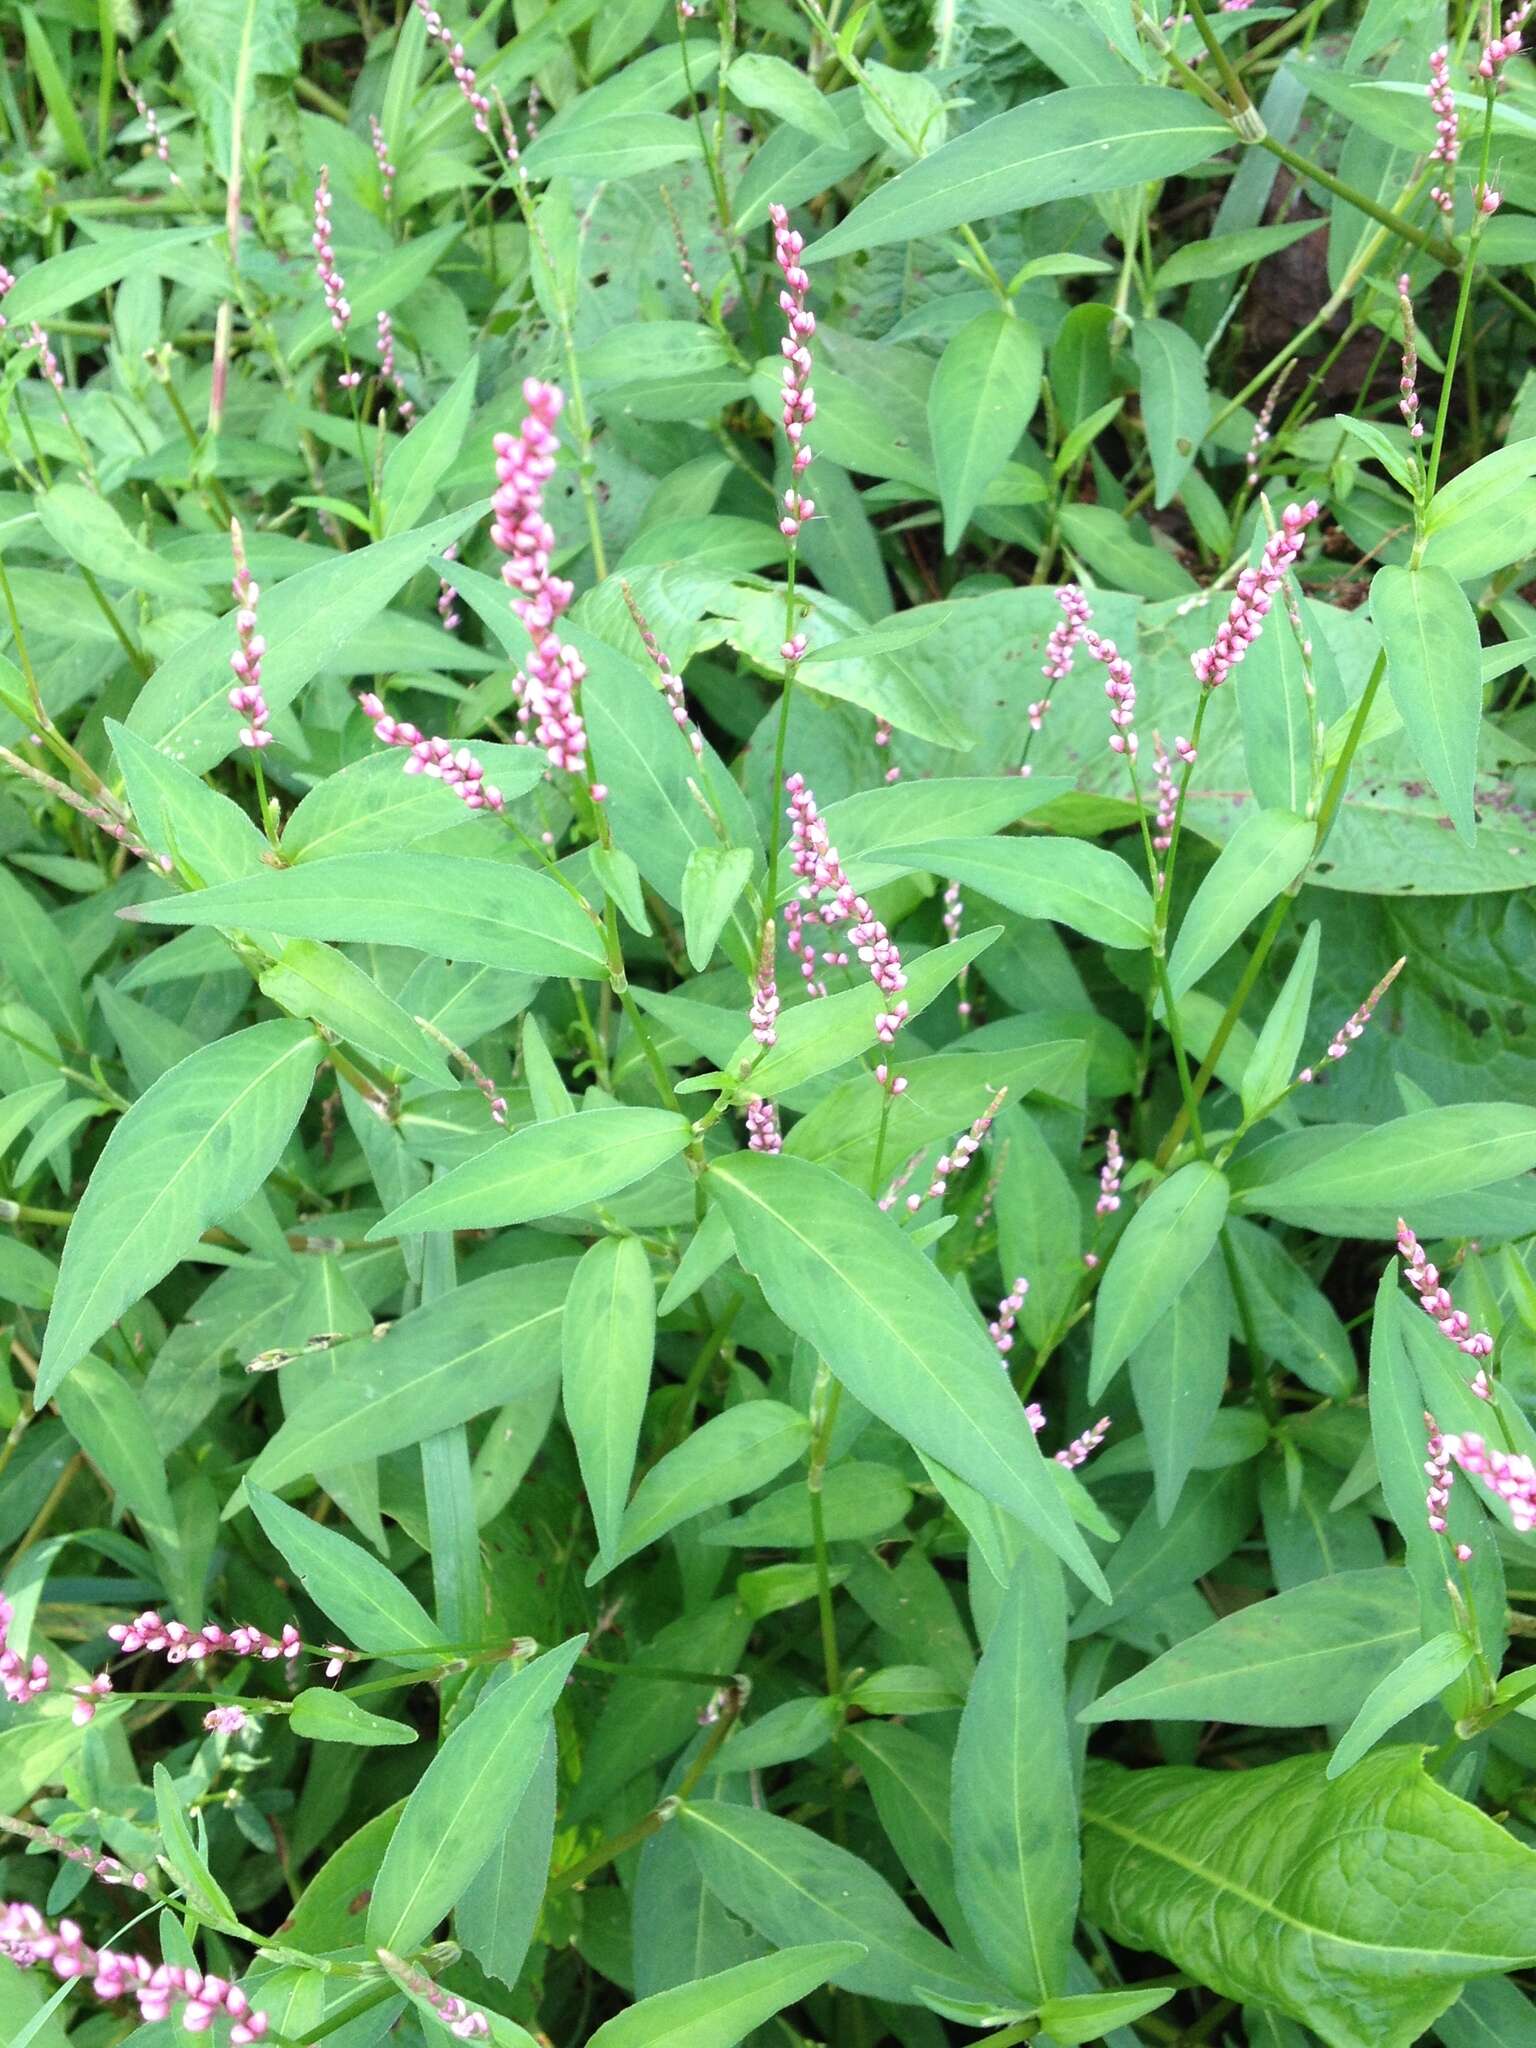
546 691
404 404
1499 49
47 361
1408 383
447 596
1167 796
1442 100
964 1150
763 1126
1081 1448
1119 687
799 398
1435 1300
1109 1176
1439 1466
179 1644
461 2020
1064 636
815 860
1256 593
463 70
21 1679
381 153
7 284
1001 1327
671 681
26 1939
953 919
1260 437
331 281
1510 1475
150 118
105 1869
1353 1027
457 768
246 697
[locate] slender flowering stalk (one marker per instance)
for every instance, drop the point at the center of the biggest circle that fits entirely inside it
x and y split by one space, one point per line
108 821
671 681
1064 636
381 155
1353 1027
1447 149
1435 1300
964 1150
1109 1176
1167 796
1002 1325
498 1103
463 70
404 404
332 283
1260 437
151 120
765 990
953 919
461 2020
7 284
1408 383
1442 1475
799 397
105 1869
28 1940
457 768
763 1126
47 361
447 596
1509 1475
1255 594
684 260
546 690
150 1635
246 696
887 1201
815 860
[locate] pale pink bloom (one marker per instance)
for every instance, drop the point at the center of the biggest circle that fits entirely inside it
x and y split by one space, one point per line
463 70
816 861
1353 1027
1109 1176
763 1126
332 284
671 681
381 153
1435 1299
27 1940
1442 100
1001 1327
765 990
1256 593
964 1150
151 120
799 397
1509 1475
1499 49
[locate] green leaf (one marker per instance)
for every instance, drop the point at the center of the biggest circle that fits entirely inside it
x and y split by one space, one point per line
94 533
497 1916
1264 855
609 1343
191 1151
1178 1372
489 1342
348 1584
1358 1907
180 1853
1093 2015
58 95
306 620
1175 404
1434 672
1089 139
1167 1240
320 1715
623 144
712 882
53 286
103 1412
1421 1677
731 1454
1154 1558
373 806
545 1169
858 1503
719 2011
1093 891
1305 1657
1273 1062
177 813
778 87
1220 255
982 397
373 286
1349 1178
1014 1803
309 979
793 1886
492 912
846 1278
421 459
37 960
463 1801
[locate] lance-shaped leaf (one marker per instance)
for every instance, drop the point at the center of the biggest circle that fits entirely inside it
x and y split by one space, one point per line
491 912
609 1340
1093 891
1264 855
1434 672
852 1283
544 1170
1421 1677
350 1585
1358 1907
719 2011
464 1799
194 1148
981 399
1354 1178
1166 1242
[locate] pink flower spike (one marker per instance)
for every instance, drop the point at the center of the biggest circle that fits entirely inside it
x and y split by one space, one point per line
546 691
966 1146
671 682
799 398
1498 50
1437 1463
1256 593
247 695
1109 1176
151 120
1435 1300
26 1939
1082 1448
763 1126
332 284
7 284
381 155
765 992
1408 383
463 70
1511 1477
815 860
1442 100
1001 1328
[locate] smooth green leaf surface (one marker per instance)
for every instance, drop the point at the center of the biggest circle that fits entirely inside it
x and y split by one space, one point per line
1167 1240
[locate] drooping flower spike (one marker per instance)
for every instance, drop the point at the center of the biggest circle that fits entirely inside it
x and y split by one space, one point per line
381 154
1435 1300
1109 1176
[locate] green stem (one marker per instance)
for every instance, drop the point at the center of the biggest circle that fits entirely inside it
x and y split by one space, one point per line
826 1398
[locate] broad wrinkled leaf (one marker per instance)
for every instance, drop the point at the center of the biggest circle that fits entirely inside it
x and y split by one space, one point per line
192 1150
1359 1907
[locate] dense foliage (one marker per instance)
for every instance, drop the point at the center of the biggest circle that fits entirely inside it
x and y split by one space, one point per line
766 1101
